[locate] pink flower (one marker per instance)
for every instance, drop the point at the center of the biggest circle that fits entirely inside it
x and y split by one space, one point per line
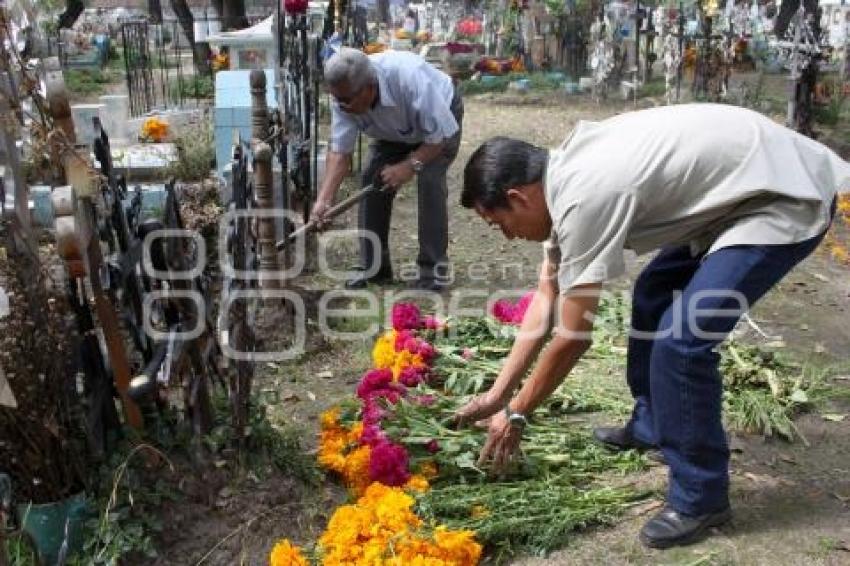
431 322
374 380
406 316
388 464
392 393
509 313
372 435
411 345
467 354
425 400
372 412
433 446
522 306
401 338
412 376
427 351
503 311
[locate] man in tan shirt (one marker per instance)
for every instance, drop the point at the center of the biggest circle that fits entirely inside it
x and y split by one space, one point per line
732 200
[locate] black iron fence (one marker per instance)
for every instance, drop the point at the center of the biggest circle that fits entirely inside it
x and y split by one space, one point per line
170 64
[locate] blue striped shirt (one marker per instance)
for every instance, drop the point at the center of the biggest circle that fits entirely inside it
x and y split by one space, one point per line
414 105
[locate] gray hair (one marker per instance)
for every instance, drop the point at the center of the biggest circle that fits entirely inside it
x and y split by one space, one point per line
350 66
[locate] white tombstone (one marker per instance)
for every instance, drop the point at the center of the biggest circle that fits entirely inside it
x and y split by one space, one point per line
115 118
83 124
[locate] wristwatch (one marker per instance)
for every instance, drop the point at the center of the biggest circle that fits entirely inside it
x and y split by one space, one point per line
516 420
416 164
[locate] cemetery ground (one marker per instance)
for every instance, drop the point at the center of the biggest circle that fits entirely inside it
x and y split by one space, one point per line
791 499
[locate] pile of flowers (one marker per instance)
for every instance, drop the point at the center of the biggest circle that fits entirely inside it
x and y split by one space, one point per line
383 519
381 527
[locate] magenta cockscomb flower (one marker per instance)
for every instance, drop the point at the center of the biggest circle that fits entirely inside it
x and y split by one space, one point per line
372 435
388 464
507 312
374 380
406 316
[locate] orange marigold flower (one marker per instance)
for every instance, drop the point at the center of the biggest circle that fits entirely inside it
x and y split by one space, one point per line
428 469
285 554
356 469
329 418
417 483
460 546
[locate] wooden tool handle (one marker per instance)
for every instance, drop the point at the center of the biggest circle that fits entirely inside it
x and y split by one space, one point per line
332 212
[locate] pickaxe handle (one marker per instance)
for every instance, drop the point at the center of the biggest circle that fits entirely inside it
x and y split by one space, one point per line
332 213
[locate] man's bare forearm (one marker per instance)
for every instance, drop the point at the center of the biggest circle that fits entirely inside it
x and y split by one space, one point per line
553 366
533 333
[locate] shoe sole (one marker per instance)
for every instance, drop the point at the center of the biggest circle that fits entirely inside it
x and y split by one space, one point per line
693 537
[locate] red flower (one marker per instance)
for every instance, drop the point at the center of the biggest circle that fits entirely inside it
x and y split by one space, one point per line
406 316
427 351
433 446
374 380
372 435
388 464
293 7
509 313
412 376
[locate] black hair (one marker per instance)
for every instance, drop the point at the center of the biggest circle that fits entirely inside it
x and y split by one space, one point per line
497 165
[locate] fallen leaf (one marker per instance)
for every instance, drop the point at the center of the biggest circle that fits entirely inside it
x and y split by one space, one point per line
819 348
820 277
291 397
833 417
311 396
327 374
804 327
787 458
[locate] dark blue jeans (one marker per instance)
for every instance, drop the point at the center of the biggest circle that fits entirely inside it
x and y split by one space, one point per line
691 304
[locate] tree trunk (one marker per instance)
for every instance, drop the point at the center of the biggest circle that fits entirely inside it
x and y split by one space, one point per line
233 15
384 11
155 11
73 9
201 50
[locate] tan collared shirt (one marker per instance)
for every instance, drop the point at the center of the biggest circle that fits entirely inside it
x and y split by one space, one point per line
707 175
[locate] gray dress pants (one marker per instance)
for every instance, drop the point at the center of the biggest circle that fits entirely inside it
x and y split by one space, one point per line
432 190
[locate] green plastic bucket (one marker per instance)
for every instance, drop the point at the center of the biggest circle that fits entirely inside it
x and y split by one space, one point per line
45 523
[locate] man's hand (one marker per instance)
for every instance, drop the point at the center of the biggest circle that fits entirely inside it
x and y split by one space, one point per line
317 215
502 444
480 407
394 176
